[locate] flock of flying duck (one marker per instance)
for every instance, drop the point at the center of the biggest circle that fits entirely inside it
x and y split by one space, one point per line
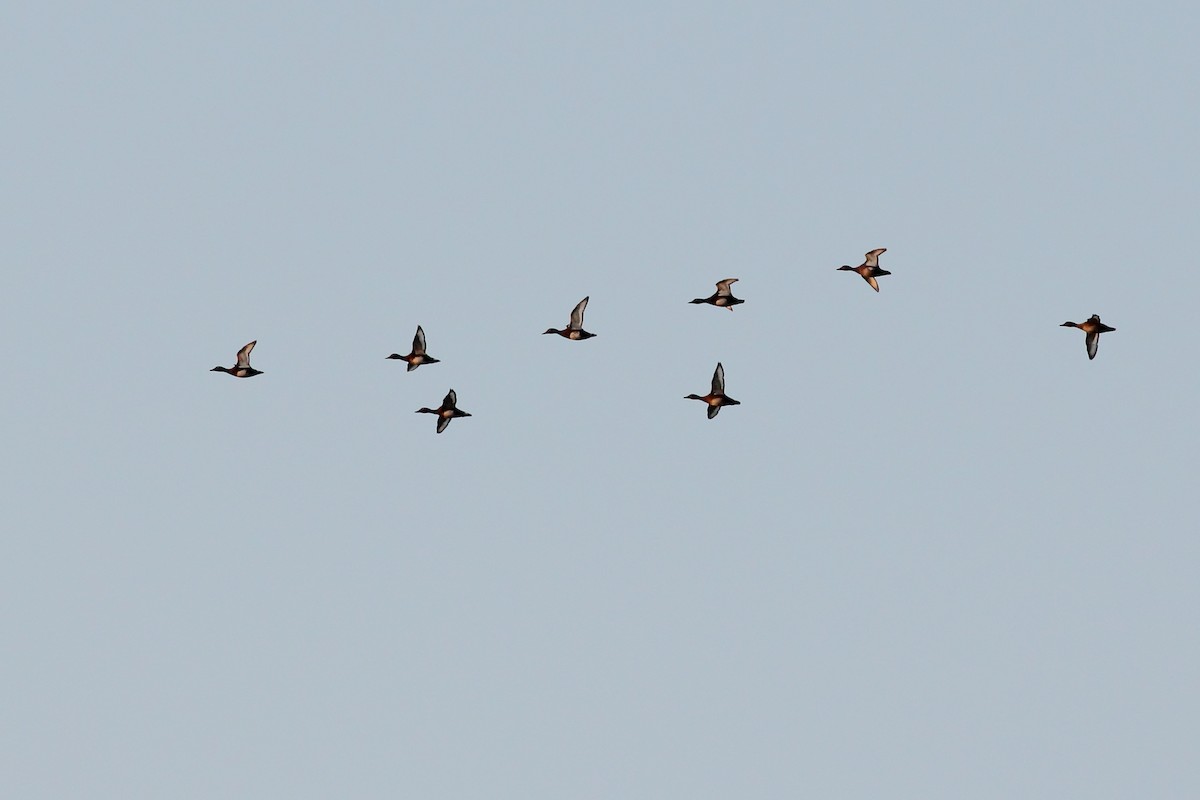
715 400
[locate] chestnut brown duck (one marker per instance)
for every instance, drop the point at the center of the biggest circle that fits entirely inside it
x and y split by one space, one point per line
418 356
869 269
447 411
723 298
716 399
242 368
574 329
1092 327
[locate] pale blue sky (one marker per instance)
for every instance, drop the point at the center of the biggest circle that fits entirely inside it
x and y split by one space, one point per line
935 553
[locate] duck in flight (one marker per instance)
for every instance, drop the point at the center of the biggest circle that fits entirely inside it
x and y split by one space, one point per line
242 368
723 298
1092 328
717 397
869 269
447 411
418 356
574 329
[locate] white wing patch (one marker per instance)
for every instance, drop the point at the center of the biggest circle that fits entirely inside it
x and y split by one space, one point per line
243 356
873 257
576 322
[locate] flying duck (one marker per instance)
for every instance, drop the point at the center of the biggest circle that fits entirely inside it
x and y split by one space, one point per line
242 368
717 397
574 329
723 298
447 411
1092 328
418 355
869 269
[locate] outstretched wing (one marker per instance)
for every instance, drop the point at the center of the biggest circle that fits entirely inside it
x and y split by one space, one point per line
419 342
718 381
873 257
577 315
1093 341
713 411
451 399
243 356
723 287
442 423
871 280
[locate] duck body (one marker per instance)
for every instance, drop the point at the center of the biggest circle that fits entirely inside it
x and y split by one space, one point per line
238 372
723 297
242 368
869 270
715 399
567 333
574 330
418 356
447 411
1092 327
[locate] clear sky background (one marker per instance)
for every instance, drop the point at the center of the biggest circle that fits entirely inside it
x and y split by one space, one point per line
935 553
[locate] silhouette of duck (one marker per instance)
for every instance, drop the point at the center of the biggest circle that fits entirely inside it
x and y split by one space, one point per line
418 356
1092 327
242 368
869 269
447 411
717 397
574 329
723 298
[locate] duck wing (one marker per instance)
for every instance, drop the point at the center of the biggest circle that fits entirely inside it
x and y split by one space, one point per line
442 423
451 400
419 342
243 356
723 289
718 380
1093 342
576 322
873 257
